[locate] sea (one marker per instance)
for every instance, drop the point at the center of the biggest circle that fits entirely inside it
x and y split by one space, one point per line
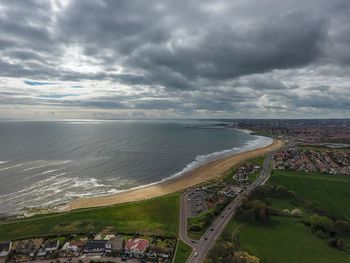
46 164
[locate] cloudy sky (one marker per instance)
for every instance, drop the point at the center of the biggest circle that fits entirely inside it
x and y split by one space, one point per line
174 59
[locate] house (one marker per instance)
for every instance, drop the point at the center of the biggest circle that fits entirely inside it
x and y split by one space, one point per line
73 248
48 247
28 247
35 245
5 248
115 245
136 247
51 245
95 247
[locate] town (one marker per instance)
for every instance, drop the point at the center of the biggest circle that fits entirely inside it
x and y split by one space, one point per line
331 162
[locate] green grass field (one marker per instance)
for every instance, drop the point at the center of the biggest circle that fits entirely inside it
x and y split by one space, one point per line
327 192
155 216
183 251
287 240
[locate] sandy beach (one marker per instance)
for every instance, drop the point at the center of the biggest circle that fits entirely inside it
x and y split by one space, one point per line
198 175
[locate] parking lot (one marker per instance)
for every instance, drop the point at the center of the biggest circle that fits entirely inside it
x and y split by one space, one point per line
196 202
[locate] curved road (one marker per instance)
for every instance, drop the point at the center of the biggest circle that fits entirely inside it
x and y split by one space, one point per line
202 246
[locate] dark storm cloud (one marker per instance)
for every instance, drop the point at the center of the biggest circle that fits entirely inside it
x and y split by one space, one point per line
188 55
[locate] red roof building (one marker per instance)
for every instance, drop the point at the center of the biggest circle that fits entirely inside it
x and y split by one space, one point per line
136 246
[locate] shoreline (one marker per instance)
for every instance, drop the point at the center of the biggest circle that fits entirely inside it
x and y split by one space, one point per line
208 171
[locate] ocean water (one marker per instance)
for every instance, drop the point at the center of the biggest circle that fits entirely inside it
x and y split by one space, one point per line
49 163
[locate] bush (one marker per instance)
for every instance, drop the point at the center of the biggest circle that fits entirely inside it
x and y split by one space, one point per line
342 228
332 242
321 223
341 244
321 234
296 212
337 243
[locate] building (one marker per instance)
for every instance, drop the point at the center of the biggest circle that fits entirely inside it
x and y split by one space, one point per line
28 247
136 247
51 245
115 245
5 248
48 247
95 247
72 248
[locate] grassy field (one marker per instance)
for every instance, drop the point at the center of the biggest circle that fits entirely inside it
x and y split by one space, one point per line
327 192
284 239
287 240
183 252
155 216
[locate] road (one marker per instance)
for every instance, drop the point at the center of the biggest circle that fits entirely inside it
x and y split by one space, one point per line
202 246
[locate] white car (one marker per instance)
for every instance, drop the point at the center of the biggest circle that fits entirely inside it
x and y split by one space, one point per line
195 253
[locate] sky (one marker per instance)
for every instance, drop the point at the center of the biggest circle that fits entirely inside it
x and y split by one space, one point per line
131 59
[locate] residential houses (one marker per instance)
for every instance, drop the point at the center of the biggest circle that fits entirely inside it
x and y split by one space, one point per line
136 247
96 247
72 248
115 244
331 162
5 248
158 249
26 249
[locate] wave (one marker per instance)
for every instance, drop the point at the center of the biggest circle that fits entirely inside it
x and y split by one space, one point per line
11 167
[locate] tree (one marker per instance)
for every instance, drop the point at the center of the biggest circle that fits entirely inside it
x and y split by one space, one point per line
256 210
261 211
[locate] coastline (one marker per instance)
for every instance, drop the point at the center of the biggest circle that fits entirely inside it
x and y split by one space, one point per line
211 170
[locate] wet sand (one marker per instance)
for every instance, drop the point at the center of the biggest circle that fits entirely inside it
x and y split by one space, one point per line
201 174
